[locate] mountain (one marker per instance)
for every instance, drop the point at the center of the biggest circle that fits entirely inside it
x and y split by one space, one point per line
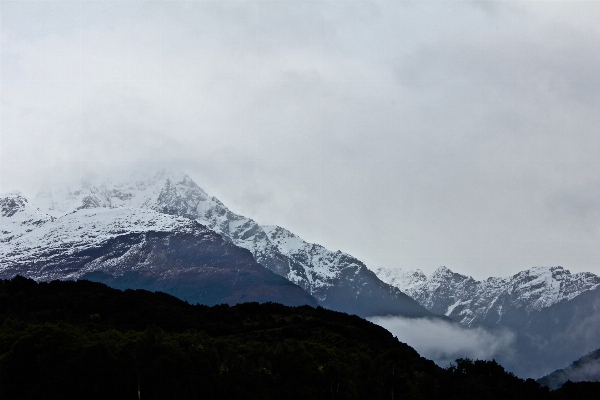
337 280
136 248
553 313
485 302
585 369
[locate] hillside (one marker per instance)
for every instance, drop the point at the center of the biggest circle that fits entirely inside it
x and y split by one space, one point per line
82 339
587 368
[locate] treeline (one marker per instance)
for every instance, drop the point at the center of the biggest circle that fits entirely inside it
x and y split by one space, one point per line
83 340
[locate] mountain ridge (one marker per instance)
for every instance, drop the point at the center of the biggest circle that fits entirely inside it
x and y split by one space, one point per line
473 302
140 248
337 280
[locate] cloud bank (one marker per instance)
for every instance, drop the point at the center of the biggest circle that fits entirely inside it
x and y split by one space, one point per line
444 342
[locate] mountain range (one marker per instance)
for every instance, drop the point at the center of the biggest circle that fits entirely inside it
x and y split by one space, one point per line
160 231
552 312
101 231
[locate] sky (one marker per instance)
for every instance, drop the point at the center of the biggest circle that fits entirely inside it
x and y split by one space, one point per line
411 134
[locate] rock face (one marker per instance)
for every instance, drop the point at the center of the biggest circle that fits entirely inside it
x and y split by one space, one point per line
554 314
586 369
337 280
140 248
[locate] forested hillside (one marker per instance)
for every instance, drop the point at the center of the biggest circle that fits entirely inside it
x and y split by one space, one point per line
67 340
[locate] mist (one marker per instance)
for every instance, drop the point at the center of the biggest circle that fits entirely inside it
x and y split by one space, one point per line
444 341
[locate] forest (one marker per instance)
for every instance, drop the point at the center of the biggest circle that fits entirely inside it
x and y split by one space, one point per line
74 340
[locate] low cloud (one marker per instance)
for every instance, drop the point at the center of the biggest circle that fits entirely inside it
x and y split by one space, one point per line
444 342
587 369
586 372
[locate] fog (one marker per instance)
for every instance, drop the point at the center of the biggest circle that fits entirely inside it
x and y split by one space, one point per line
444 341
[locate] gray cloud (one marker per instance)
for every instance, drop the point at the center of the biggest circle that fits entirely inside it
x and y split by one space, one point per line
415 134
444 342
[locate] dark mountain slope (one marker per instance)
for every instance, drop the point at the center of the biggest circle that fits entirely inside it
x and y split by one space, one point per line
195 270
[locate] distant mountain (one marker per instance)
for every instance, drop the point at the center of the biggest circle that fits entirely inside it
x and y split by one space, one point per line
136 248
337 280
586 369
472 302
554 313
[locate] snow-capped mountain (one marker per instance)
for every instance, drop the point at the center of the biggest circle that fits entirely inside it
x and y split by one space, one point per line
337 280
553 313
18 217
472 302
136 248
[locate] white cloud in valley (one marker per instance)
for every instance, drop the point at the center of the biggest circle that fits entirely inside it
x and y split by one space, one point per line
414 134
445 341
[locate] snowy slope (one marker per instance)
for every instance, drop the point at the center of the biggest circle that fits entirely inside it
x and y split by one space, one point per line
337 280
83 230
485 302
18 217
138 248
319 266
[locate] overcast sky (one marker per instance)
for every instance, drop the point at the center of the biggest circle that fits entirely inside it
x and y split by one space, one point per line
412 134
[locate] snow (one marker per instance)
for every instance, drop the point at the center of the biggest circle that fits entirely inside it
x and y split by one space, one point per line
286 241
452 307
18 217
400 278
84 229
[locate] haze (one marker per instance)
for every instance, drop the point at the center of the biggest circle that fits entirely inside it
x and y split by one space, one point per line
410 134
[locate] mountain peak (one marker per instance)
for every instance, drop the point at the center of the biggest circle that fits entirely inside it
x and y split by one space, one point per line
18 217
442 271
12 203
445 273
165 190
